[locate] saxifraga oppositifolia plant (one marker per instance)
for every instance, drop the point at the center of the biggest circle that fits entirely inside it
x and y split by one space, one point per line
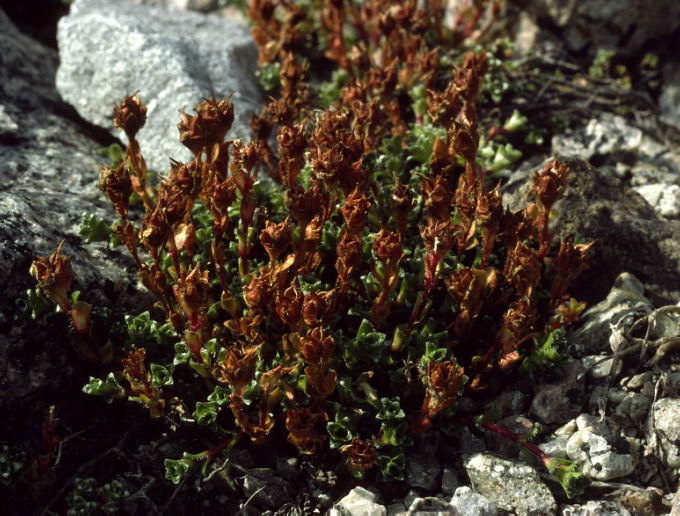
346 301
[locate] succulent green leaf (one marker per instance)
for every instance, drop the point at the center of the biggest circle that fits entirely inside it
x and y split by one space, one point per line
392 466
340 430
37 303
329 91
109 386
270 76
93 229
161 376
390 408
182 354
394 434
516 122
206 412
220 395
567 474
176 469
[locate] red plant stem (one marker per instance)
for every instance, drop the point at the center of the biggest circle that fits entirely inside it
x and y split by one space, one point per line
458 22
212 452
218 256
544 234
85 332
489 354
496 131
139 167
243 251
174 254
359 25
472 22
544 457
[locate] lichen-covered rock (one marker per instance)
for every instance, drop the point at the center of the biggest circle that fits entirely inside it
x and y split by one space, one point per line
675 504
423 469
467 502
181 5
509 485
450 481
595 508
601 452
634 407
642 502
623 305
216 7
265 488
556 402
173 59
669 100
49 169
599 456
663 431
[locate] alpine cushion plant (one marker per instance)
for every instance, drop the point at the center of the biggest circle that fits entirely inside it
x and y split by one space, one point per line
349 299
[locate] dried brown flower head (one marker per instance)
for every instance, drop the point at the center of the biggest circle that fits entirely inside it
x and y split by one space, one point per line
130 116
116 184
54 276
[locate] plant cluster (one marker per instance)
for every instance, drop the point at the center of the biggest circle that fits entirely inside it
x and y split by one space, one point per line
346 299
87 499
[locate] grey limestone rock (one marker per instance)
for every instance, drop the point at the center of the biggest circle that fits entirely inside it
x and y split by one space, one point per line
628 153
359 502
595 508
606 134
598 455
509 485
465 442
556 447
641 501
649 171
663 197
110 49
675 504
601 453
430 506
467 502
597 368
396 509
636 382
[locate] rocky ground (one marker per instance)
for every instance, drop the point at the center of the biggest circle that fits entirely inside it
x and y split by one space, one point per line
614 405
